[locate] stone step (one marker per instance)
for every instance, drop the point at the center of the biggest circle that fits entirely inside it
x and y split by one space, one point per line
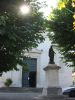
18 89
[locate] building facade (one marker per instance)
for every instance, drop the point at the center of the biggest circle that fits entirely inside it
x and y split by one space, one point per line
35 77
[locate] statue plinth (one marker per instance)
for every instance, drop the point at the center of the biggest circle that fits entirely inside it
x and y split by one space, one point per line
52 75
52 67
52 80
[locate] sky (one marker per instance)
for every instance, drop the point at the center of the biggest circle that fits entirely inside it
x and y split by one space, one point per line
50 3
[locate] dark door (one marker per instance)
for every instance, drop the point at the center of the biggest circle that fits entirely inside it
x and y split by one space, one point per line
32 79
29 78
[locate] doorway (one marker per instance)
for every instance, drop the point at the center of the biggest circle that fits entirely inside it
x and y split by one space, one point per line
29 78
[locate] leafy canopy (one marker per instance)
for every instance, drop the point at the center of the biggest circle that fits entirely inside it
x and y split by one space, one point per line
61 31
18 33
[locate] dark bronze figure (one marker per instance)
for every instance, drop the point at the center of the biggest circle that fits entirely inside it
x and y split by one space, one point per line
51 55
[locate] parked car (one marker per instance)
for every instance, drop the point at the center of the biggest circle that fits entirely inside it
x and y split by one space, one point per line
70 91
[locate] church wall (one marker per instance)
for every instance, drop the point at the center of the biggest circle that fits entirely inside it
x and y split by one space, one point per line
65 76
15 76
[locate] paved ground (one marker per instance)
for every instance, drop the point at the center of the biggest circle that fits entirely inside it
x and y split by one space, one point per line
29 96
26 94
19 93
18 96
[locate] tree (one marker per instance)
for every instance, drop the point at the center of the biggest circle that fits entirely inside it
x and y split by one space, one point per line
18 33
61 31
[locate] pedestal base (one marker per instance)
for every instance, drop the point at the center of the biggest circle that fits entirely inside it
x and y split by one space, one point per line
52 75
52 91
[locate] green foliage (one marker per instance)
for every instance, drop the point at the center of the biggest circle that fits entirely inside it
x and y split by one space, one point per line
61 24
18 34
8 82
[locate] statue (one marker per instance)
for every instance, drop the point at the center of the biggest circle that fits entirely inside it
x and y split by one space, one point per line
51 55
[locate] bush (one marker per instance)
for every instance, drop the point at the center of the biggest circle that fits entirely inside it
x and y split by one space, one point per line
8 82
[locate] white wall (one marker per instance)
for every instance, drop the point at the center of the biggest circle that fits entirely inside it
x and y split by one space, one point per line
16 77
65 76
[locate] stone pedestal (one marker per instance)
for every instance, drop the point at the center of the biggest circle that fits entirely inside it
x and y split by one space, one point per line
52 80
